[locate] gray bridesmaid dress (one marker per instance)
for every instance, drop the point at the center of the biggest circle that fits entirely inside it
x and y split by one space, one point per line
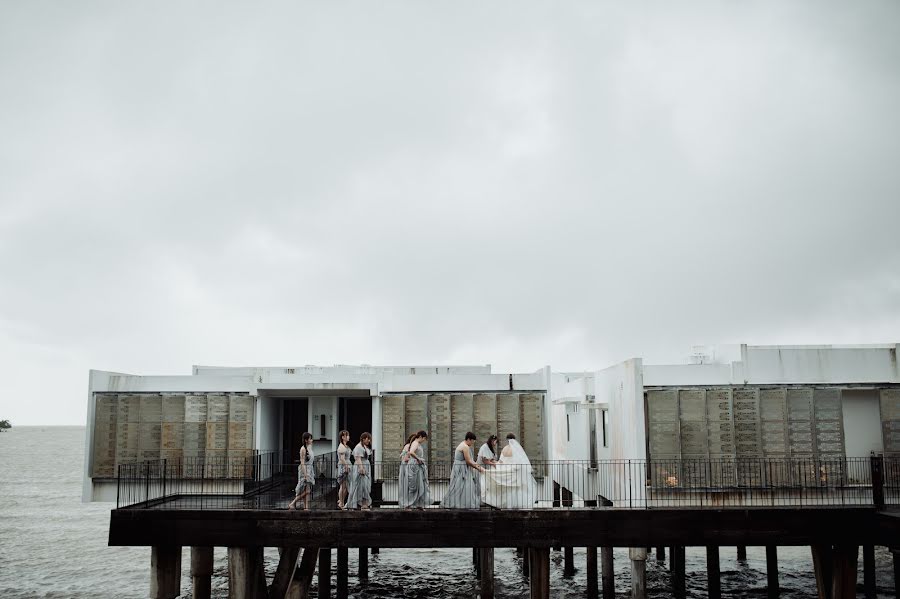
418 493
360 494
462 494
402 478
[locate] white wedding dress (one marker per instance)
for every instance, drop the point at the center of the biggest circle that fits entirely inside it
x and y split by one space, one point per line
510 484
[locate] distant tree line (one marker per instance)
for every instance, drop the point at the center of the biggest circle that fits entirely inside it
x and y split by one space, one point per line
4 424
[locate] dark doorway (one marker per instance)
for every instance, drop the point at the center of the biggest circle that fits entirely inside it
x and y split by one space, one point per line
355 415
296 421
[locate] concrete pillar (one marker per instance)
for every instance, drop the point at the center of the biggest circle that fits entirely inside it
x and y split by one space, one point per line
302 577
638 557
540 572
201 572
363 564
165 572
568 561
660 554
678 580
244 566
325 573
772 570
742 553
342 573
895 551
591 566
526 561
607 573
486 568
713 578
869 571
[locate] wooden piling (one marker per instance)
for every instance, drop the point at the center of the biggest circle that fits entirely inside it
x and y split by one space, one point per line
895 551
363 564
593 592
869 571
742 553
526 561
244 572
822 566
660 554
303 574
325 573
540 572
287 563
375 550
607 573
342 592
772 570
843 585
165 572
486 568
678 577
638 557
713 572
201 572
568 561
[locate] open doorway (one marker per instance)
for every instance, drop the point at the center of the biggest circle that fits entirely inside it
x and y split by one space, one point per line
296 422
355 415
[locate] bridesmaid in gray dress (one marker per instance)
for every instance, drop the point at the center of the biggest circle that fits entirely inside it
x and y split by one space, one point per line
360 495
418 492
402 485
462 494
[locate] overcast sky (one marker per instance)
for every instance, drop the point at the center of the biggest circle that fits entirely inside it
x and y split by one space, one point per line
506 183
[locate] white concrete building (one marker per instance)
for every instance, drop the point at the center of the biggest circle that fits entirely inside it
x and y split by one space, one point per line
734 402
216 414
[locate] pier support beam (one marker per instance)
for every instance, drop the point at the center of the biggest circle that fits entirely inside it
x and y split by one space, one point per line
325 573
591 566
638 556
486 568
607 574
303 574
742 553
201 572
869 571
363 564
540 572
246 578
678 581
660 554
165 572
772 570
526 561
895 551
835 569
568 561
287 563
342 573
713 578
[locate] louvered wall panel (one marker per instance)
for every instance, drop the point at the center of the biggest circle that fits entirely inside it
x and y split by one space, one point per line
720 432
662 414
692 413
890 420
829 422
800 422
746 422
485 417
532 425
773 422
416 414
105 430
439 442
507 416
462 420
393 426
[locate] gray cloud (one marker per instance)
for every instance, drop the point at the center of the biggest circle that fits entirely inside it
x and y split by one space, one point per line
420 183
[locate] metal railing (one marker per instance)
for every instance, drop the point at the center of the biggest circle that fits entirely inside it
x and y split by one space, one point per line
266 480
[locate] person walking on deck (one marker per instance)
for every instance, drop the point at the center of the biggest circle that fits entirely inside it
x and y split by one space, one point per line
360 495
463 490
306 477
418 492
402 477
343 471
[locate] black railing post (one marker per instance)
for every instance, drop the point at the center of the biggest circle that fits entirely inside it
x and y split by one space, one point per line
877 465
165 473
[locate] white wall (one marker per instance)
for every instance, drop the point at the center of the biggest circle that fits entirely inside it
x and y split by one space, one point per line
862 422
622 387
268 423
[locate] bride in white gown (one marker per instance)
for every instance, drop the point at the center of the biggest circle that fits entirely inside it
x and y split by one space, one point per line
510 483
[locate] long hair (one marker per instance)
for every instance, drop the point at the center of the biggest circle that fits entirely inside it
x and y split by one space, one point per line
365 436
410 439
341 436
492 442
